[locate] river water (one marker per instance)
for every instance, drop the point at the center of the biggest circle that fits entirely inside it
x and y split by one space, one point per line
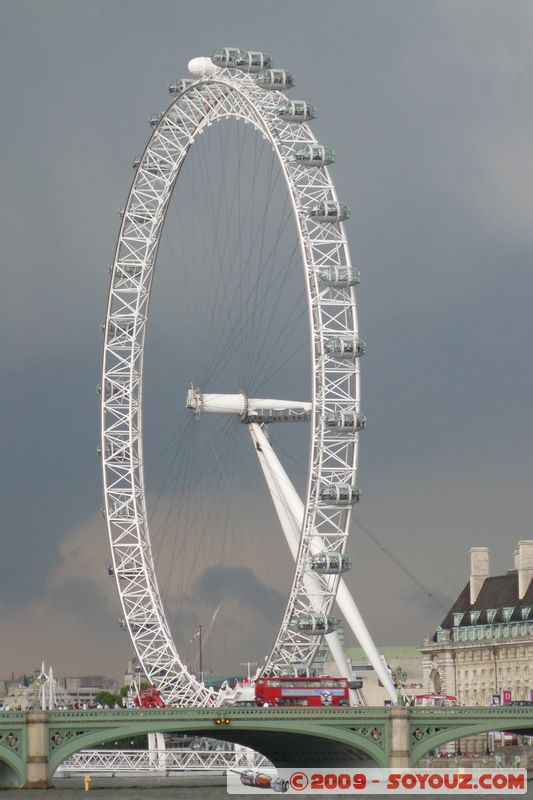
74 790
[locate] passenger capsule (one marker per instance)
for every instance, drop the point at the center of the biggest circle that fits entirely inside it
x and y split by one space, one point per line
329 212
344 421
118 452
136 213
344 347
143 627
296 110
119 509
226 56
135 163
177 87
130 268
120 327
154 168
338 276
161 122
330 562
315 624
129 572
338 494
252 61
312 155
274 79
109 390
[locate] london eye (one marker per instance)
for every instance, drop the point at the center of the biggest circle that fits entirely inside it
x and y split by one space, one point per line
236 87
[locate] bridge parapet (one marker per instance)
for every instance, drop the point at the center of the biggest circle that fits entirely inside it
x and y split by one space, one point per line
236 712
508 711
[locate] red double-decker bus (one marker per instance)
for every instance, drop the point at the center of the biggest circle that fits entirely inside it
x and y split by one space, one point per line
289 691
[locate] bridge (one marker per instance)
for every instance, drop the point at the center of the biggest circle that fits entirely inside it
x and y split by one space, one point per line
33 744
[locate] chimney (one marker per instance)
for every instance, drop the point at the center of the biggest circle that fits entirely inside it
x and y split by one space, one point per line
479 570
525 566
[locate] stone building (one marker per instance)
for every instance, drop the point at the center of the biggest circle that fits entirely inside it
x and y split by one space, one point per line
484 645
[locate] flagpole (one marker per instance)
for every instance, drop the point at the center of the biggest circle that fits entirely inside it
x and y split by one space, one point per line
200 645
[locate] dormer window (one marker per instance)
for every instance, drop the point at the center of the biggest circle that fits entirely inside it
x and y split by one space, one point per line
457 619
525 611
491 614
508 613
474 616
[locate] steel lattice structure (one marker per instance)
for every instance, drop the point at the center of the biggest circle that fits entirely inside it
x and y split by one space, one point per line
320 523
154 762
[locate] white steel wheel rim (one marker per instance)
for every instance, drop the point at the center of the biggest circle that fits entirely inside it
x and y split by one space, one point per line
335 380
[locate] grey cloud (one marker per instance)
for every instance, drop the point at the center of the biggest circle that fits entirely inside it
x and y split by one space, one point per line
428 108
240 584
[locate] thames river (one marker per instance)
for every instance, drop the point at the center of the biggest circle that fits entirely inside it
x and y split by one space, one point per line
192 793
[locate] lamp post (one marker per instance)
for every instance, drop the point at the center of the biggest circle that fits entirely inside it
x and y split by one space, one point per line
248 664
399 677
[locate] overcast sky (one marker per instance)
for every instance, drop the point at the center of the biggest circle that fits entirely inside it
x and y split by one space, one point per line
429 107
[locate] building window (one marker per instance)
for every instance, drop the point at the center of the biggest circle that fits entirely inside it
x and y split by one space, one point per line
491 614
474 616
507 613
457 619
525 611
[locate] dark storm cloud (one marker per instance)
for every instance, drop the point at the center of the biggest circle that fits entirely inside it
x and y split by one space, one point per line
428 106
217 584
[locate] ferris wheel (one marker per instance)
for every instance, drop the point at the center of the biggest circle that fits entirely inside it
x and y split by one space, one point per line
241 85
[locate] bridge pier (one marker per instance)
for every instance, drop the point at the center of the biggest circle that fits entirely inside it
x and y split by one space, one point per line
399 738
37 772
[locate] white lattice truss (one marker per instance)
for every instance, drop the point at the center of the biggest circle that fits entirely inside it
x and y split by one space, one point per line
322 526
105 762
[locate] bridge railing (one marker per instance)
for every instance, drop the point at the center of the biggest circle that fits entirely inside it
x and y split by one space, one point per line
236 712
513 712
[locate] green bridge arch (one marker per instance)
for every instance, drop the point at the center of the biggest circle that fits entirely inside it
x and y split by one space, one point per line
461 724
14 744
15 763
66 739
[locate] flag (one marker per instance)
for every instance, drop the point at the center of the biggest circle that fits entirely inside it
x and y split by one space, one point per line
196 635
